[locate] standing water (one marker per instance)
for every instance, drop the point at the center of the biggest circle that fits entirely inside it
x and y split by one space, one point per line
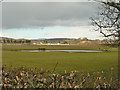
60 50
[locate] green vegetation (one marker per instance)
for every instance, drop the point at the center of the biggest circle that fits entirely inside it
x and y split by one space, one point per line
83 62
65 42
28 41
53 47
81 70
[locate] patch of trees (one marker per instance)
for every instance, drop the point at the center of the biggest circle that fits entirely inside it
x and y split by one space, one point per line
45 41
85 39
65 42
16 41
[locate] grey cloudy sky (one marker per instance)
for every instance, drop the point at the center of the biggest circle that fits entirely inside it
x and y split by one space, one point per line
23 15
32 15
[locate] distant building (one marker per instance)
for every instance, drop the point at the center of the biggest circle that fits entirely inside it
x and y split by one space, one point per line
34 43
41 43
58 43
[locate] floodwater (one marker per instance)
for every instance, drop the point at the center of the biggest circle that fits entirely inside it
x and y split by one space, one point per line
60 50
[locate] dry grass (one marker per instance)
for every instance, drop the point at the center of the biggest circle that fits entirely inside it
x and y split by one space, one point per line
28 78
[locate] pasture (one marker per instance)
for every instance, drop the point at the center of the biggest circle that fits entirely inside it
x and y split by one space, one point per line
80 61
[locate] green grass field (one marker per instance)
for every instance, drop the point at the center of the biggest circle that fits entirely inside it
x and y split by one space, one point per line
83 62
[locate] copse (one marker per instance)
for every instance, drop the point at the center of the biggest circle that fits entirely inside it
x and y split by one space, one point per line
28 41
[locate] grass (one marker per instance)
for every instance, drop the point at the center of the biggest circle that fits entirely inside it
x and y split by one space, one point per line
53 47
83 62
95 70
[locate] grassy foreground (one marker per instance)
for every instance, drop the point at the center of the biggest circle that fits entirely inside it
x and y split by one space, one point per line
83 62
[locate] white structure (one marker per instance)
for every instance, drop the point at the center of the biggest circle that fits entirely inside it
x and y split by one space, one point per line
58 43
34 43
41 43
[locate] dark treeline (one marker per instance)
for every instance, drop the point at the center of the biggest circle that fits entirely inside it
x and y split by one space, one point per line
16 41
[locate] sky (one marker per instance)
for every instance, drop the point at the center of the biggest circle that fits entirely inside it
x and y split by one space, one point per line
34 20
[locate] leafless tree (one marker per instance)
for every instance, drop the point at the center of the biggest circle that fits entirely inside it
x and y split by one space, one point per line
107 22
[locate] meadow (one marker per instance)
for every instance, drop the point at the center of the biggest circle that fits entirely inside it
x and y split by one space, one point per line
80 61
59 69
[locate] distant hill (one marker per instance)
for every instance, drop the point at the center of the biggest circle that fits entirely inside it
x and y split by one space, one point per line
57 39
7 38
38 39
51 39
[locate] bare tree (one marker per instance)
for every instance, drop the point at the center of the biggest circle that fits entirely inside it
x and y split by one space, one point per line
107 21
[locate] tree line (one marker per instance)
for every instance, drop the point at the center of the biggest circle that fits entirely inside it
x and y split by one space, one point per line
16 41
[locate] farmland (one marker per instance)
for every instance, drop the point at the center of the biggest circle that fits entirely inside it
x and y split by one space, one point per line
85 67
82 61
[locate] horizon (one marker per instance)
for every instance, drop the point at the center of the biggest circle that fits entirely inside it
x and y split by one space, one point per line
49 38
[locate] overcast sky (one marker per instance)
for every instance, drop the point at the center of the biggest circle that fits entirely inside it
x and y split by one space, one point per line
48 20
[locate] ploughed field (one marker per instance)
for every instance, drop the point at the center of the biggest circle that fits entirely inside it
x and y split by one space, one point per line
61 61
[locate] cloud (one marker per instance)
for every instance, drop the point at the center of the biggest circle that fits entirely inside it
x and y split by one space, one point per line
75 32
40 14
48 0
